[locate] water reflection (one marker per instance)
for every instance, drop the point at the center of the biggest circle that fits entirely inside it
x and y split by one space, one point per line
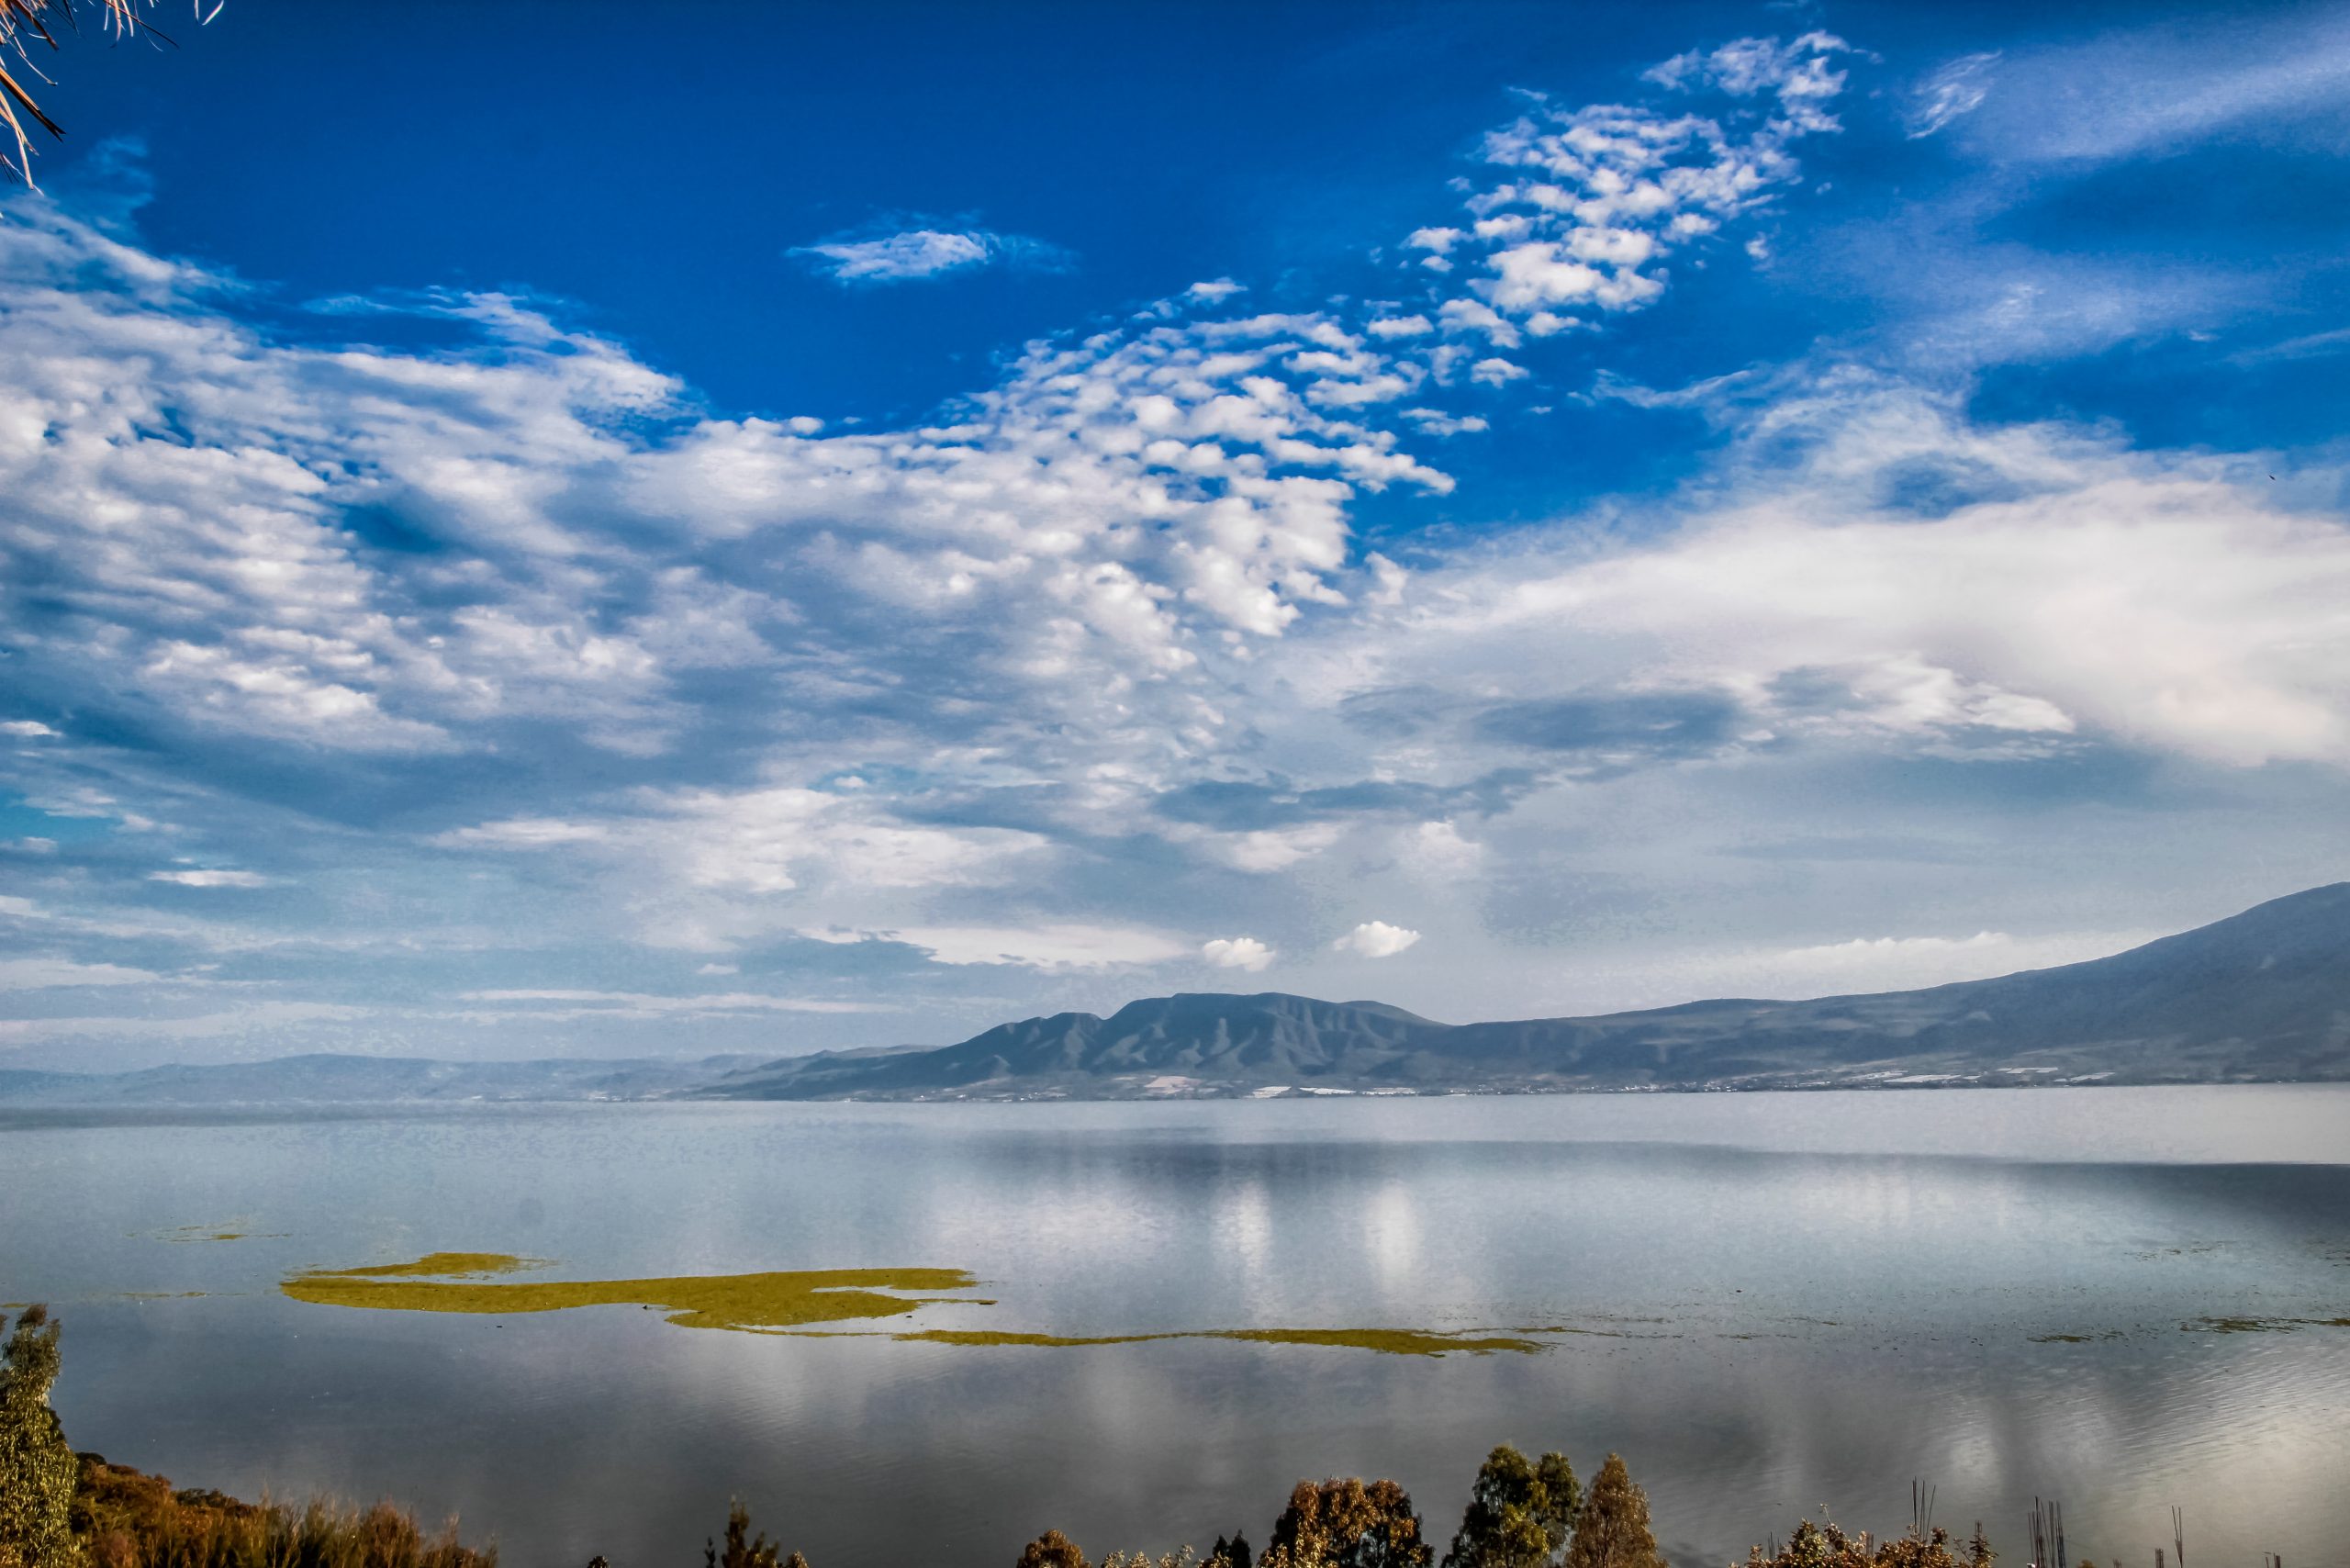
1781 1318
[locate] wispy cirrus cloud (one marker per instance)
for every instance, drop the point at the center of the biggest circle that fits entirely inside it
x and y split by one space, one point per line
917 254
1948 93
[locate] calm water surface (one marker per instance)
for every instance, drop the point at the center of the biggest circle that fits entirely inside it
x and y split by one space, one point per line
1792 1300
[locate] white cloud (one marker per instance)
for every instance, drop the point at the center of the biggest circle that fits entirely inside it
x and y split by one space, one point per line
1375 939
719 969
912 255
210 879
1436 421
30 728
1237 952
2093 594
1052 947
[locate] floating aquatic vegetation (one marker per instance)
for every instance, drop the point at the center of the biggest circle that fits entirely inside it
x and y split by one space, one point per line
788 1301
775 1300
2260 1324
2075 1338
228 1232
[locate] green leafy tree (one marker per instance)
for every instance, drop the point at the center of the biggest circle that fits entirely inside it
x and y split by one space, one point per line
1052 1550
1346 1524
37 1466
1561 1498
1612 1529
1519 1513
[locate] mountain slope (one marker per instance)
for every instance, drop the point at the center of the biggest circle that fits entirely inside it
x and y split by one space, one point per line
2262 995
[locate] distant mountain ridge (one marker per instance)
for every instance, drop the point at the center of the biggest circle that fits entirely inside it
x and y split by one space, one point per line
2261 996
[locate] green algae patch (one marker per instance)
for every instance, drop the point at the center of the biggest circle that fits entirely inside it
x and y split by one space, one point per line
780 1300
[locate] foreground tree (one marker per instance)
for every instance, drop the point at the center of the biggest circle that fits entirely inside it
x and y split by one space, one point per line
1233 1553
1345 1524
37 1466
1824 1545
1612 1532
1519 1513
745 1550
1052 1550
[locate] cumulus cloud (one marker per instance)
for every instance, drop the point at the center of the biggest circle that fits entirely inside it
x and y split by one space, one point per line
912 256
1237 952
1593 199
1375 939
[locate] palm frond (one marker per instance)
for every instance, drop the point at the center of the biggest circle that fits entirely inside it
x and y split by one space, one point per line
26 21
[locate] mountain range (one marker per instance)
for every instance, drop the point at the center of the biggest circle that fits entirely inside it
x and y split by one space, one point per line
2262 996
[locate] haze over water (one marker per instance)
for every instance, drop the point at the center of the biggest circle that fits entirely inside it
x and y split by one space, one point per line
1783 1300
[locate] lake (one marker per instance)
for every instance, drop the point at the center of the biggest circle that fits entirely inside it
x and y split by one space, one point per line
2115 1297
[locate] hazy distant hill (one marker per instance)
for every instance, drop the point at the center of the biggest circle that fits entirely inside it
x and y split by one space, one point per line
364 1081
2265 995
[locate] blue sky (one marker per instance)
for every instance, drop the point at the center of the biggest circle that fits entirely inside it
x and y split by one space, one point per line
834 527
